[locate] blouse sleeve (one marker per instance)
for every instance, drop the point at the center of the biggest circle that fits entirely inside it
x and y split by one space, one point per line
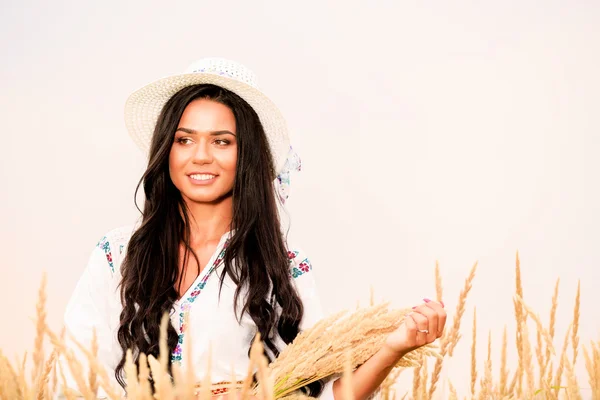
303 276
92 307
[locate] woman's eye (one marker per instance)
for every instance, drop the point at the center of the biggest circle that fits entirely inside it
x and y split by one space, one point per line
184 140
222 142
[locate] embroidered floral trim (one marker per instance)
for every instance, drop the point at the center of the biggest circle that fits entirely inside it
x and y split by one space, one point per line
302 268
176 356
104 244
292 255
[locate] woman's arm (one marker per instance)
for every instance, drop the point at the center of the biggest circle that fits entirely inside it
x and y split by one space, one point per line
410 335
423 326
90 309
367 378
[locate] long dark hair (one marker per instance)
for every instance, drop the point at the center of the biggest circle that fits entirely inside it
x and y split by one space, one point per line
150 269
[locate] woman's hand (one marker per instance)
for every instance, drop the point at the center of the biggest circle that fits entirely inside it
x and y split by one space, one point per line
423 326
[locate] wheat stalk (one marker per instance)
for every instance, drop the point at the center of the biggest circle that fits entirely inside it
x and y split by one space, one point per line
486 387
528 366
67 391
595 373
41 385
93 363
474 354
438 284
21 378
551 330
451 336
538 323
9 387
589 366
561 365
425 374
453 394
575 336
38 352
417 379
572 386
520 319
503 367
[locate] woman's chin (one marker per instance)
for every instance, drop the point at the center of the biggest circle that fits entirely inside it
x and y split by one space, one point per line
208 198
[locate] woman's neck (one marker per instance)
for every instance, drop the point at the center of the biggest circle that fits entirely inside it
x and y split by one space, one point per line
209 221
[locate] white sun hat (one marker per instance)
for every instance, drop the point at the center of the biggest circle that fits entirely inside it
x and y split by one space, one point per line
143 106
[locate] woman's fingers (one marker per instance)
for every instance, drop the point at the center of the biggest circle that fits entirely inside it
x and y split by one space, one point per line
441 315
435 315
421 335
428 328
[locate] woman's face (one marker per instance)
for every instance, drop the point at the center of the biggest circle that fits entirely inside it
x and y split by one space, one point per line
203 157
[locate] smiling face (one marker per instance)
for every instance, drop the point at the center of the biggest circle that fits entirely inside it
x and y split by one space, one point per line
203 157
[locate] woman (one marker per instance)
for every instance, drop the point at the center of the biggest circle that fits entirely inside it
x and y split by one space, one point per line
210 246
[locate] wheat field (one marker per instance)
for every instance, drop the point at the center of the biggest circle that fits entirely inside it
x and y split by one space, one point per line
333 347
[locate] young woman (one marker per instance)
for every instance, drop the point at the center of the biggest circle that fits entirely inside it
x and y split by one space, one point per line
209 245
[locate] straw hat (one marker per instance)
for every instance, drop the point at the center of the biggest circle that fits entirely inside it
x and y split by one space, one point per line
143 106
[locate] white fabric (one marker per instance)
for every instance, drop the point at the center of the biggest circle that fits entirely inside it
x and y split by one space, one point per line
96 303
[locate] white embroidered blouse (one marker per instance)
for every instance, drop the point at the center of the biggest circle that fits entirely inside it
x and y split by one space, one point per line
95 303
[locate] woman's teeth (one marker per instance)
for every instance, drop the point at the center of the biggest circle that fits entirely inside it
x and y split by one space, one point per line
202 177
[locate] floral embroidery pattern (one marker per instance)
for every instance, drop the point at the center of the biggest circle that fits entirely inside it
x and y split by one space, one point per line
302 268
186 305
104 244
292 255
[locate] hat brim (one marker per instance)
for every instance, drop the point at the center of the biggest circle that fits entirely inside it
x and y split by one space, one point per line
143 107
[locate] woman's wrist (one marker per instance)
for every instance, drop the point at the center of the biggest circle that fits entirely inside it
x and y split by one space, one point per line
390 355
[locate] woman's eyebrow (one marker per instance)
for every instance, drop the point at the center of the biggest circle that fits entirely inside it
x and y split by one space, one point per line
212 133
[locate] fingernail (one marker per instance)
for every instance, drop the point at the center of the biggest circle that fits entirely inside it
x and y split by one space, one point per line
426 300
414 307
442 303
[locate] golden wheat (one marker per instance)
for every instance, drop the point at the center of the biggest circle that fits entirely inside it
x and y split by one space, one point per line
520 319
451 336
503 367
330 348
575 337
473 354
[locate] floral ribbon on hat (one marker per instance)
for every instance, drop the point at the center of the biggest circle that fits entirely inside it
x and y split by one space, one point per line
292 163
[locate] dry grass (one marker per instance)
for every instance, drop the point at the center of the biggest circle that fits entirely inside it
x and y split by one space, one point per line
575 338
335 346
551 383
321 351
474 354
451 335
503 366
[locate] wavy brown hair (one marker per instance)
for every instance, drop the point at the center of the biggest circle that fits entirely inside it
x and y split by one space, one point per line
150 269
